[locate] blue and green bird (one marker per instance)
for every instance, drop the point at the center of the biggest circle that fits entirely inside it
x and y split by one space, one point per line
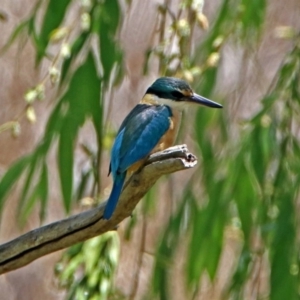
151 126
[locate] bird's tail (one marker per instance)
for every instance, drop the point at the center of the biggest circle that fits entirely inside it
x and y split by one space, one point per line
114 196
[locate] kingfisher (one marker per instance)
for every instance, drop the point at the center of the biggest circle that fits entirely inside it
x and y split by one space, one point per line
151 126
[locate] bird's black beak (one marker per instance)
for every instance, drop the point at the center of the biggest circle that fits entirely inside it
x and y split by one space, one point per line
195 98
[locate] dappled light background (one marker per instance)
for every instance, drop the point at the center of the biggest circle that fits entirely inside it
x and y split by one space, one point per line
208 233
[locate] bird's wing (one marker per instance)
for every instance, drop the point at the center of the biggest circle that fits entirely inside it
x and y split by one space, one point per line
138 135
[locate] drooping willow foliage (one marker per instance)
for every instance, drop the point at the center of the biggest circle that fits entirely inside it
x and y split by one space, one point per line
249 175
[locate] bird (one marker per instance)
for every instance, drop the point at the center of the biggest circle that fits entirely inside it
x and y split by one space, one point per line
151 126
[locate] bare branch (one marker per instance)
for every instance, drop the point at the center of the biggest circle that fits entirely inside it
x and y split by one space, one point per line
78 228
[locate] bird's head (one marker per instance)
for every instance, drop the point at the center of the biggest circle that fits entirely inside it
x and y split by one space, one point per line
176 93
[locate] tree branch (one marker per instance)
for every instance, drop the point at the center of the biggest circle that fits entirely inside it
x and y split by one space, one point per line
78 228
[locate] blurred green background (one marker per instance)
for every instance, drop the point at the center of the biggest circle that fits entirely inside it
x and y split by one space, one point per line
229 228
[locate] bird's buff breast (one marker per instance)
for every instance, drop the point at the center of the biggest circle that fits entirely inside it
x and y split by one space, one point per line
169 137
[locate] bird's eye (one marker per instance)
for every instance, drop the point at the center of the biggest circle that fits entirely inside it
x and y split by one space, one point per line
177 94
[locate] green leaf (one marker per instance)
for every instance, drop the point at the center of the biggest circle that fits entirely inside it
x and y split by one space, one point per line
84 92
76 47
28 182
28 207
284 284
208 81
244 195
83 99
11 176
202 120
252 16
55 13
65 160
165 254
43 190
240 275
207 237
216 244
53 127
39 192
261 155
109 51
197 250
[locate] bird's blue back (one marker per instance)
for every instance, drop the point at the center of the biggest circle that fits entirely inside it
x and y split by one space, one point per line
138 135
